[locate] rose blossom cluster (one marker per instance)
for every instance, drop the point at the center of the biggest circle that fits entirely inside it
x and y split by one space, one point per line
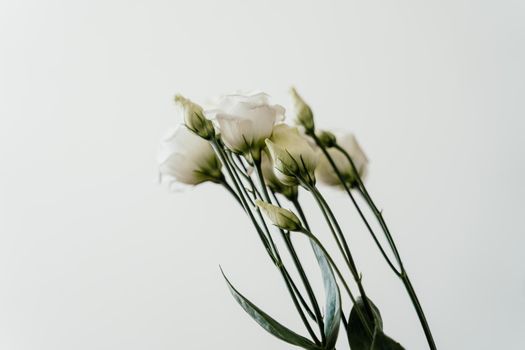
244 144
250 126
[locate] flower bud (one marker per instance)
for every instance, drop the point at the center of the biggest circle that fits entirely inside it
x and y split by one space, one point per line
303 112
280 217
194 118
327 139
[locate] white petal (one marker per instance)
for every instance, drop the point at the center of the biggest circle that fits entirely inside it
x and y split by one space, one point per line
181 169
263 119
184 156
235 132
251 119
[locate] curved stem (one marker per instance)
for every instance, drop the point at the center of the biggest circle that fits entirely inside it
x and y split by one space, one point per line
324 208
362 189
300 211
330 225
295 258
345 324
256 193
323 204
297 292
222 156
360 212
294 286
419 310
350 262
298 207
403 275
231 191
276 260
342 280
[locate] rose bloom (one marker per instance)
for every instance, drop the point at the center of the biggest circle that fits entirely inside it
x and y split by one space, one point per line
245 121
325 172
186 158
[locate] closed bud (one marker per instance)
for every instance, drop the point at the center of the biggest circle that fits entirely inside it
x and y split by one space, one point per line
280 217
303 112
194 118
327 139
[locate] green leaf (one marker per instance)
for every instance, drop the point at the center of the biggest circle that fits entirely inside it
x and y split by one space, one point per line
384 342
268 323
358 335
332 318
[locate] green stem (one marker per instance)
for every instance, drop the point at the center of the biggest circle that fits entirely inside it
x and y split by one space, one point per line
341 278
403 274
259 214
345 324
297 292
265 226
223 158
350 262
256 193
276 259
362 189
231 191
303 273
300 211
419 310
295 258
331 217
330 225
360 212
298 207
379 216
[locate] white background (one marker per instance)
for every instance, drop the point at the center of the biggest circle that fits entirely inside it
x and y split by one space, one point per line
95 255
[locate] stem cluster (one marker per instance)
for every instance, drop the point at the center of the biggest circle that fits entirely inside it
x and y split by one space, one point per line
247 187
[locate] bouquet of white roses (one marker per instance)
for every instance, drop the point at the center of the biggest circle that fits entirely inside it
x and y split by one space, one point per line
243 144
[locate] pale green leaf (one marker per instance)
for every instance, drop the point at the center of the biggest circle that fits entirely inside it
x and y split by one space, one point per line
268 323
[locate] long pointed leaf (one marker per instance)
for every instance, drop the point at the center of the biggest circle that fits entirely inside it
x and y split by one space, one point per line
268 323
332 318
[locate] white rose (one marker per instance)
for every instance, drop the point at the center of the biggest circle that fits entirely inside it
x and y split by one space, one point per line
325 172
187 158
245 121
293 157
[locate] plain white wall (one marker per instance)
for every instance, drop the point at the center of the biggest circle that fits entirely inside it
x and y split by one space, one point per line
95 255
